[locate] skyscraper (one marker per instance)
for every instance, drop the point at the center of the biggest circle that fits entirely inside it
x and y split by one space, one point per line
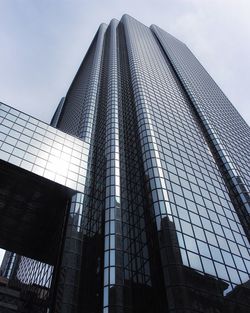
139 200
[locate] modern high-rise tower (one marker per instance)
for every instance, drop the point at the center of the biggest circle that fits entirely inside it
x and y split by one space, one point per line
136 197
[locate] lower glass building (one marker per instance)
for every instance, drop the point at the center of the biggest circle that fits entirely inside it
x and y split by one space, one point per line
136 197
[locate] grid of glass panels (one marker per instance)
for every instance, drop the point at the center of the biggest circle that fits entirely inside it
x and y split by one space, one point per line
112 227
234 136
152 174
31 272
41 149
34 278
139 268
78 117
79 109
186 184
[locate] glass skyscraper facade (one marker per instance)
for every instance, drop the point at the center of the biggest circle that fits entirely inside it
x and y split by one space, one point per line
136 197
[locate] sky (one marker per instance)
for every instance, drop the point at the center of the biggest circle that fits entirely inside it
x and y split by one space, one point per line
44 41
